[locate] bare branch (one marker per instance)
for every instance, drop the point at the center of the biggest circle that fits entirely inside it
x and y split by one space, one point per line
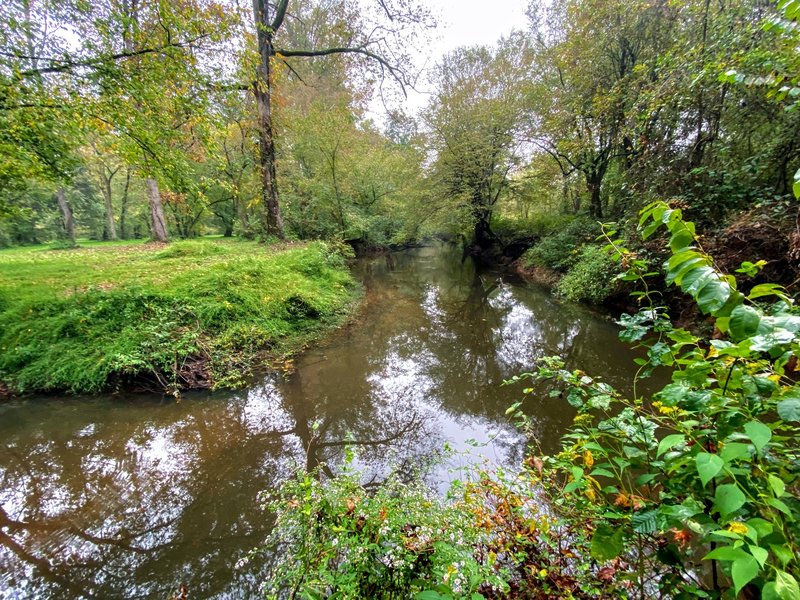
67 66
394 71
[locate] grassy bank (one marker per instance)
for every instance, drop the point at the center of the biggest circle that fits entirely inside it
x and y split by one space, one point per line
192 314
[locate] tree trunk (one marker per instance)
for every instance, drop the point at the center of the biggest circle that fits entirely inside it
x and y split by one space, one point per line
594 185
244 220
111 228
66 214
484 237
271 210
123 211
158 223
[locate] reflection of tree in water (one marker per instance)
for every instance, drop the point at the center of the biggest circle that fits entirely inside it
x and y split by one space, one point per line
131 507
381 432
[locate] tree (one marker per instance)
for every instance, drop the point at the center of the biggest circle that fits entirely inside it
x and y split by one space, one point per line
133 70
588 59
382 37
474 121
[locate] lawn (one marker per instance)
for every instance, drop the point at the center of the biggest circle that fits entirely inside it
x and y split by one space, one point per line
190 314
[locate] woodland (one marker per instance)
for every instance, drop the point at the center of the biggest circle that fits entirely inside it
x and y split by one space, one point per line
183 183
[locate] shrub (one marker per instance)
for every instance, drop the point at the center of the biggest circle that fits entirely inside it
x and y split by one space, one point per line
560 250
193 248
591 279
537 225
336 539
692 492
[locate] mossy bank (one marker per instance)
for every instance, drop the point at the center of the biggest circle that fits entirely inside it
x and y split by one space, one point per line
196 314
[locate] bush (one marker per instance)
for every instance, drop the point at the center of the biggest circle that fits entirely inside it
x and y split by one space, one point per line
193 248
560 250
537 225
591 279
694 491
336 539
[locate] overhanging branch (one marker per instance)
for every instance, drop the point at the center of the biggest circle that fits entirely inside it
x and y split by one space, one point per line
66 66
394 71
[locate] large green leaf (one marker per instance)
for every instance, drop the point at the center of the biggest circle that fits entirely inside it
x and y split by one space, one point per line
725 553
708 465
713 295
645 522
744 322
743 571
758 433
786 586
607 542
669 442
789 409
728 499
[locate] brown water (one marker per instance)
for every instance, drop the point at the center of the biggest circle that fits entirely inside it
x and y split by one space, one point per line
116 497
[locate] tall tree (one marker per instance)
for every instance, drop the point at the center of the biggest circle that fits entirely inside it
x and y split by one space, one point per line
475 122
383 37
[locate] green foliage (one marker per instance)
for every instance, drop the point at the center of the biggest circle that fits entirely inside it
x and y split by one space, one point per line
199 317
561 249
591 279
336 539
705 471
196 249
540 224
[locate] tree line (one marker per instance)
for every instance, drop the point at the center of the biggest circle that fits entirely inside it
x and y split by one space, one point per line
147 118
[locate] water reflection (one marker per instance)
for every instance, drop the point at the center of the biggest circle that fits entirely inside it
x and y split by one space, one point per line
111 498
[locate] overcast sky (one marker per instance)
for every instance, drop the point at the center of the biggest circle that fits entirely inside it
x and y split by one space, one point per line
467 23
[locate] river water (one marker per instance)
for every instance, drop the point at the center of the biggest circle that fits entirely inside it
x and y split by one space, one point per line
129 497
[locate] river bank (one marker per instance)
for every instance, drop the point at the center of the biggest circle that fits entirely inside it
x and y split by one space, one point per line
180 483
146 317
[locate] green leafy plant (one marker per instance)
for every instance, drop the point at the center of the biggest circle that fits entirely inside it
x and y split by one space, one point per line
561 249
693 490
338 539
591 279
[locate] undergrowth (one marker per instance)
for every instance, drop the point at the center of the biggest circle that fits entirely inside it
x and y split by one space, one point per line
691 492
193 314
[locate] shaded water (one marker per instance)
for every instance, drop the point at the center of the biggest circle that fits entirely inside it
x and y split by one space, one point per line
116 497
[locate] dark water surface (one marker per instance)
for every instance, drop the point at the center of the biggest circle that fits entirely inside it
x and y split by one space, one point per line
115 497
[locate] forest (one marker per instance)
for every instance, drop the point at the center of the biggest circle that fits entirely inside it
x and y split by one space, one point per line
186 186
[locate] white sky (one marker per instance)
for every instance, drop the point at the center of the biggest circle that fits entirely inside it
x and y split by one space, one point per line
465 23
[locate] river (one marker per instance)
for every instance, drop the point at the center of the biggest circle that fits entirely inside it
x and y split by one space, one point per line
130 496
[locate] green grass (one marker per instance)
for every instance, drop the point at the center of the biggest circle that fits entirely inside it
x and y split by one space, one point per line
190 314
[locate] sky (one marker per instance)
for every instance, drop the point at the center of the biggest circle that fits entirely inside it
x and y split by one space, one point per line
466 23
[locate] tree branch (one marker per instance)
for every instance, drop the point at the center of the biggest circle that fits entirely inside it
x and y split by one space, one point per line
395 72
58 66
280 14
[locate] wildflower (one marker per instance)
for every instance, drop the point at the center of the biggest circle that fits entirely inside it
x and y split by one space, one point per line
668 410
737 527
588 459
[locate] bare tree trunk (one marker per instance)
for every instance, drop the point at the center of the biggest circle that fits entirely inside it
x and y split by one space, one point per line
66 213
158 224
123 211
110 226
271 210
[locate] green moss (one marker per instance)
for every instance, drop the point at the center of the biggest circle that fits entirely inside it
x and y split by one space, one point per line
83 320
